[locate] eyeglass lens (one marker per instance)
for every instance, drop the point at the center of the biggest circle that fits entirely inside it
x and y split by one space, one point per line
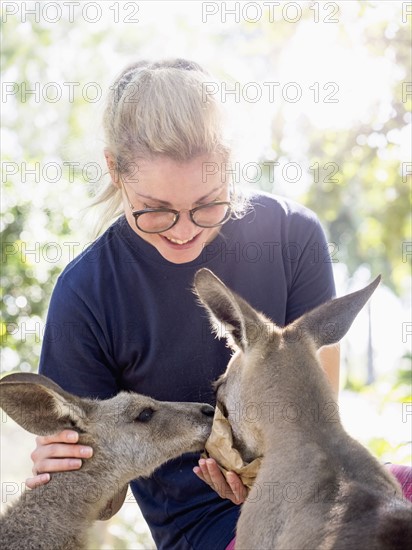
205 216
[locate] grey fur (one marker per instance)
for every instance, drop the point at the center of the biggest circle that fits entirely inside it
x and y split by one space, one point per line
317 488
127 444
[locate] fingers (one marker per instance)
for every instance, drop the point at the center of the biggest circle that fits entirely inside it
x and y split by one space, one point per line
239 490
54 453
232 489
65 436
37 481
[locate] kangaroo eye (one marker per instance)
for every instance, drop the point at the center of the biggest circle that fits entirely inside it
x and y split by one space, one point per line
145 415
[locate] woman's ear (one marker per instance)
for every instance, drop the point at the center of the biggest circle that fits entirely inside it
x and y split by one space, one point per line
111 165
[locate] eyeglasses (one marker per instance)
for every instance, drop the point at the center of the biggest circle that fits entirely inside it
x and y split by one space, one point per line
158 220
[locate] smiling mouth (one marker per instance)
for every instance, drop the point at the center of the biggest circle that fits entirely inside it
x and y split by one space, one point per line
178 241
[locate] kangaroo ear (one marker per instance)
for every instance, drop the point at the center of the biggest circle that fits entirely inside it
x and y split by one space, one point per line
39 405
229 314
329 322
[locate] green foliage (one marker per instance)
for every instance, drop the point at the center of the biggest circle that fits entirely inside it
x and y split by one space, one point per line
361 190
24 292
385 452
390 391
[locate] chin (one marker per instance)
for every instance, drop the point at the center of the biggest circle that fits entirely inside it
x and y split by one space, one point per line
178 254
180 258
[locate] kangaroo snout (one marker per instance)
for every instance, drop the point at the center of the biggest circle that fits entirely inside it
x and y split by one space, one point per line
208 410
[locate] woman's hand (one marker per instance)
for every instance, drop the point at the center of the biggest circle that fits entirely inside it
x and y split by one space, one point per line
232 488
56 453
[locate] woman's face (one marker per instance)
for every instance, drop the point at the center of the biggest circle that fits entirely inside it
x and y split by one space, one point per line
164 182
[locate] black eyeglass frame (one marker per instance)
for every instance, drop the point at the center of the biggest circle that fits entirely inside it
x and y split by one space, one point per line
137 213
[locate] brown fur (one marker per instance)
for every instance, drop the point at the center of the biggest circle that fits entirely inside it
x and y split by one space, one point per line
317 488
131 436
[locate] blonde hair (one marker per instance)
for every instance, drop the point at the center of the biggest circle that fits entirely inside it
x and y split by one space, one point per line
159 108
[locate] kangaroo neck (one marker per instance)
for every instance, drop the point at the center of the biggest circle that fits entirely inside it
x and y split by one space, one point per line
72 499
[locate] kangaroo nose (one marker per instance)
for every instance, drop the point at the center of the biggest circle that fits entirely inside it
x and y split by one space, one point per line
208 410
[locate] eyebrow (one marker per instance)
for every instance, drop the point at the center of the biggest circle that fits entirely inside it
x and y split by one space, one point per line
168 204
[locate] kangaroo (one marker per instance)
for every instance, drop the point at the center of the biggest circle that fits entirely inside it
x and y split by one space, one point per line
131 435
317 488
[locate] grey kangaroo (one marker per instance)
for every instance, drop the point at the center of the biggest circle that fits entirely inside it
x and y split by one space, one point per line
131 436
317 488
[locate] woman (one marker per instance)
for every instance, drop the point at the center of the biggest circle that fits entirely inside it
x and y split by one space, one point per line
124 310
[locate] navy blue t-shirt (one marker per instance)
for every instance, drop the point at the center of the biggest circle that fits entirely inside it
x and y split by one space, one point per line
122 317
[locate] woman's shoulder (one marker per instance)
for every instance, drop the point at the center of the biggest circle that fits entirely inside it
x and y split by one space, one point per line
97 255
285 209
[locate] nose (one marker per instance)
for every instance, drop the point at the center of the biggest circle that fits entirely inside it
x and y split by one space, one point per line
208 410
184 226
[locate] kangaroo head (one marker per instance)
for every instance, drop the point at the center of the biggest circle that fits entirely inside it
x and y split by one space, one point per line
270 360
132 431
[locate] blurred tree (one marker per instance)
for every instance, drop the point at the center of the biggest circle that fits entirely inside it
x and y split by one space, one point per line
356 176
361 175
